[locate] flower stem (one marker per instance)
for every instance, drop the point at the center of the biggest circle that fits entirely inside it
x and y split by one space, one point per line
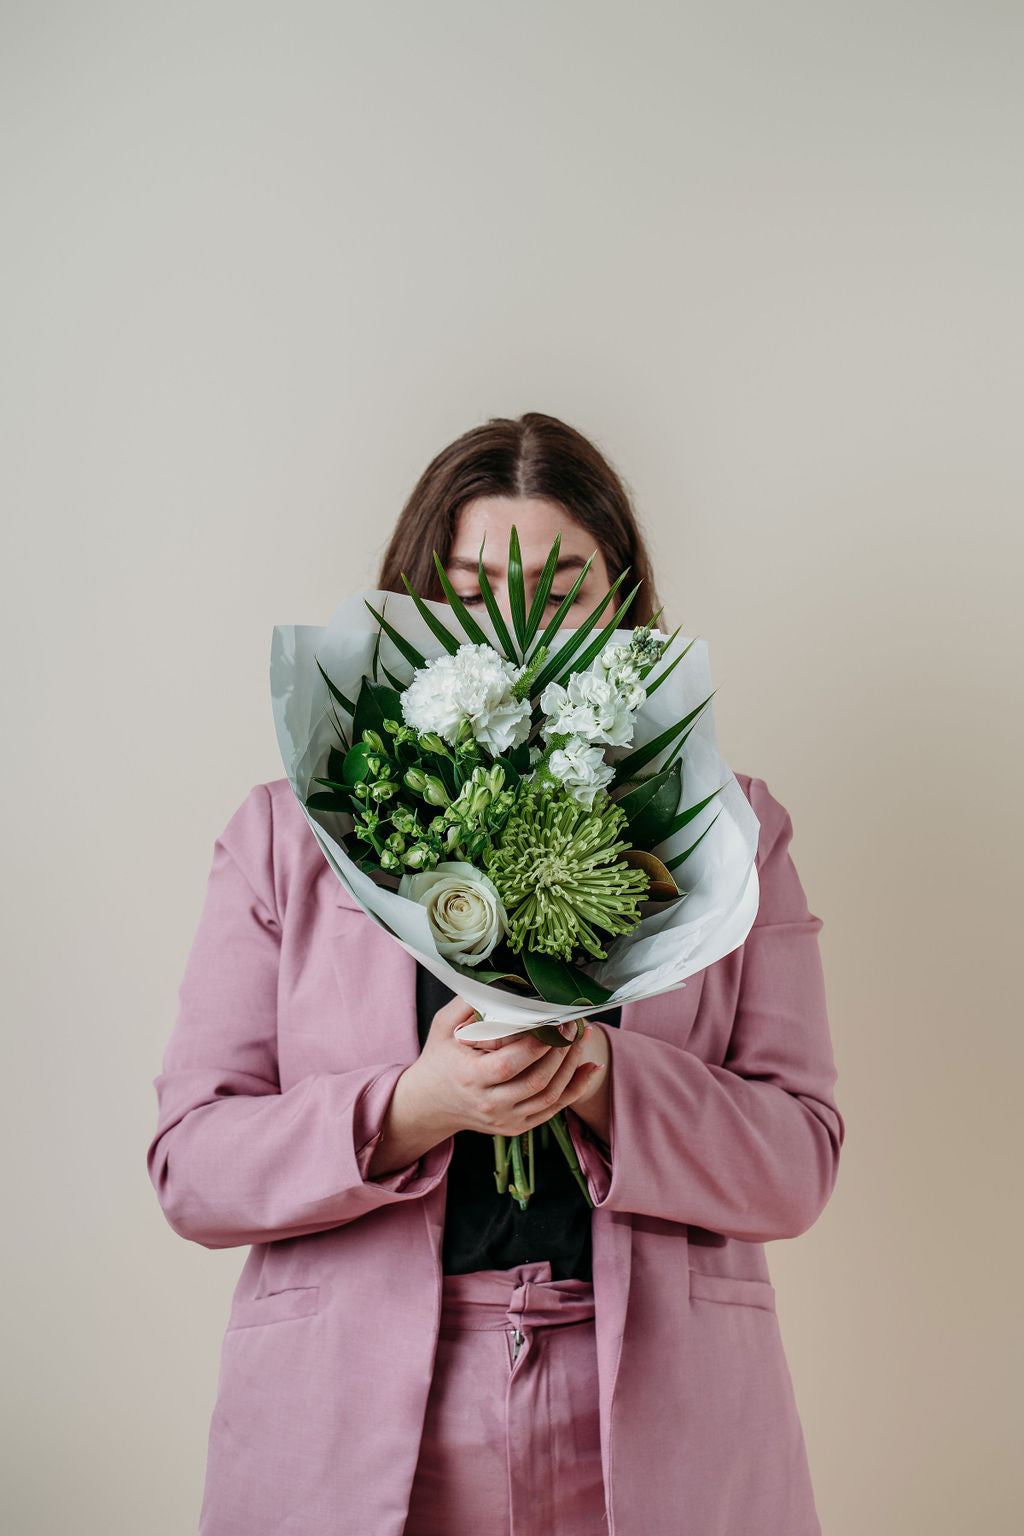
501 1158
558 1125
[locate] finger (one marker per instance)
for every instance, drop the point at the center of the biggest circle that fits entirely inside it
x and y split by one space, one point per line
543 1107
453 1014
541 1083
517 1057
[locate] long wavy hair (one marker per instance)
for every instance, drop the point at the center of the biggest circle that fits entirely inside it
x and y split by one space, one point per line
532 456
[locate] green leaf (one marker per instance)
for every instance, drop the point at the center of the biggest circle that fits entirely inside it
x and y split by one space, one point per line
651 806
396 682
581 663
561 659
328 800
356 765
491 604
563 608
540 597
473 631
653 687
336 765
431 620
375 705
336 693
410 652
680 857
643 755
516 588
685 817
559 982
479 974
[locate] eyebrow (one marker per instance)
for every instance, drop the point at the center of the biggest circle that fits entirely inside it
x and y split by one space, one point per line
566 563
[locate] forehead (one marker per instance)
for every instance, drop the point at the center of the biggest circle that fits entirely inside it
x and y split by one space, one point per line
537 520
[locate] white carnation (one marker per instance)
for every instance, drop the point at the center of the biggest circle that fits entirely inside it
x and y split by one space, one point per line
581 769
474 684
591 707
465 912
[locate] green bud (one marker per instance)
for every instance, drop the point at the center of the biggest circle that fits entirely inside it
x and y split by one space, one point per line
389 860
416 780
396 842
451 840
418 857
393 727
373 766
373 741
434 792
384 790
361 791
480 801
431 742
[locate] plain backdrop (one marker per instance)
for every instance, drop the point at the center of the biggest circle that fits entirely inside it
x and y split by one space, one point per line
261 263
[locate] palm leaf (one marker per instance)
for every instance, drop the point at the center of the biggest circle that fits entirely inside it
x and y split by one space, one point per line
662 675
540 597
581 663
458 607
641 756
336 693
561 658
431 620
490 603
516 588
410 652
680 857
563 608
685 817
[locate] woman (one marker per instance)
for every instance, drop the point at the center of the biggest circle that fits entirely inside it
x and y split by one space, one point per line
406 1351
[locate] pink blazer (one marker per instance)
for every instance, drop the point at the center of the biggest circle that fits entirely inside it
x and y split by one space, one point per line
297 1016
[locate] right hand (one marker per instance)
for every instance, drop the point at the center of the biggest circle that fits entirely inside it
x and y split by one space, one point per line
502 1087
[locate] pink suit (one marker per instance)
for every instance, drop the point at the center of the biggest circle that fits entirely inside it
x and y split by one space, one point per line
296 1018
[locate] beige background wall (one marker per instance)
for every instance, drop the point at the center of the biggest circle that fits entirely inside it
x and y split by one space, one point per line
262 262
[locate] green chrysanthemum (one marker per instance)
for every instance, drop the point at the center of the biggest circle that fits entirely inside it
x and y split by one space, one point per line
559 874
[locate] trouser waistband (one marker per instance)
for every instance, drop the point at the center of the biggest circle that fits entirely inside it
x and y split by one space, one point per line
526 1294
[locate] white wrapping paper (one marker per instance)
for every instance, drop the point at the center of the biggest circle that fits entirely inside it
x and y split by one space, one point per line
719 877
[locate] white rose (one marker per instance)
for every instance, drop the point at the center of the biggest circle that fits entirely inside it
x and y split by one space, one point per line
464 910
474 684
581 769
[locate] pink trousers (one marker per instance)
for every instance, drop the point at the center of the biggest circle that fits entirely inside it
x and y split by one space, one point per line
511 1440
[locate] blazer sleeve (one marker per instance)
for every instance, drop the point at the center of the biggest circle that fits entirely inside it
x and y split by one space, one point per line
234 1159
750 1148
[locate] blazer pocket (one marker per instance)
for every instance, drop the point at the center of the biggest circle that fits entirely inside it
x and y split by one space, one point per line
742 1293
278 1307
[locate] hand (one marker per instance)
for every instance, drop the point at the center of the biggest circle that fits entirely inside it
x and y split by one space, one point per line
499 1087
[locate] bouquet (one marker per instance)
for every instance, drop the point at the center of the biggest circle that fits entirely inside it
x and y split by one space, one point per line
539 816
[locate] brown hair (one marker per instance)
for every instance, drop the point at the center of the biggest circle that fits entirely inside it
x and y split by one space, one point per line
534 456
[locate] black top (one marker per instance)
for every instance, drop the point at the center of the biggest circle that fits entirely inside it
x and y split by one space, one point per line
485 1230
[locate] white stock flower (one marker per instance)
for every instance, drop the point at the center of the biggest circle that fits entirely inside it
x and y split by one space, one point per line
581 769
464 910
474 684
590 707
